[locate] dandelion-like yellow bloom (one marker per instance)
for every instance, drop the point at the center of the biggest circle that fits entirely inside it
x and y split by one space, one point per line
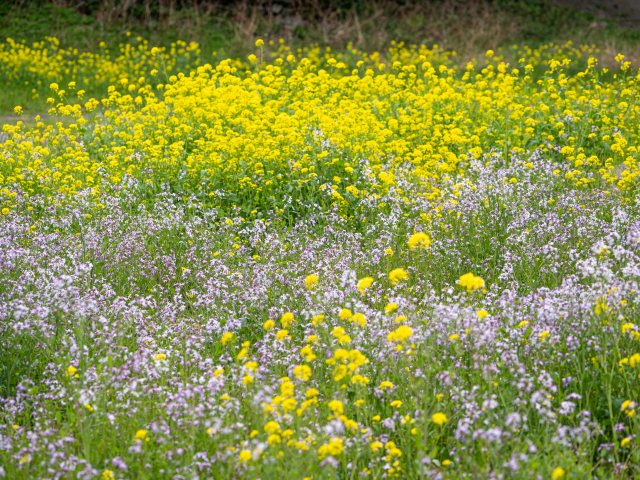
286 319
419 240
401 334
398 274
364 283
439 418
311 281
390 308
282 335
471 282
269 325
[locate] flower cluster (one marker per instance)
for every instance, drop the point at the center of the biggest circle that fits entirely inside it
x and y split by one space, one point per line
311 267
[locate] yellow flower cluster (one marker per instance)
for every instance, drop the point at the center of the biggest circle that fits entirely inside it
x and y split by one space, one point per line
35 67
309 126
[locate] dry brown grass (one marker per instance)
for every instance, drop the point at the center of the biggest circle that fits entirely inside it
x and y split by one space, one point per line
469 27
464 26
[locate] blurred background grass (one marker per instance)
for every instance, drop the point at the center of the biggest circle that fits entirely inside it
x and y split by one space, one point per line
229 29
466 26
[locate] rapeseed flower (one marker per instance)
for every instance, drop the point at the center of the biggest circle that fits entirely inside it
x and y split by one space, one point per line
311 281
471 282
439 418
419 240
364 283
398 274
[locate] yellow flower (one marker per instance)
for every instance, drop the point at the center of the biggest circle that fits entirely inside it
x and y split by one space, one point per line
286 319
88 407
226 337
269 325
245 456
338 332
400 334
558 472
482 313
446 463
396 403
392 307
160 356
336 406
625 441
141 434
398 274
18 110
439 418
360 319
388 252
471 282
259 42
108 475
272 427
311 281
419 240
302 372
455 336
317 319
71 370
364 283
345 314
333 448
282 335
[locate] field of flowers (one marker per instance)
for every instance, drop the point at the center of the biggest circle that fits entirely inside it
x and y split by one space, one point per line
319 265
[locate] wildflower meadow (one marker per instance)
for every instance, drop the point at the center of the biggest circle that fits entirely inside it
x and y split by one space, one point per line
317 264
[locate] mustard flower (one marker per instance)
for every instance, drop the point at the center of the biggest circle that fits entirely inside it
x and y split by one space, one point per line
364 283
282 335
286 319
269 325
311 281
398 274
419 240
471 282
439 418
244 456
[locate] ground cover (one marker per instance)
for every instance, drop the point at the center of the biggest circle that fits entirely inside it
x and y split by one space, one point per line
320 264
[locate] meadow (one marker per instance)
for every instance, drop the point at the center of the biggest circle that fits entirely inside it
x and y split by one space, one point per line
316 264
